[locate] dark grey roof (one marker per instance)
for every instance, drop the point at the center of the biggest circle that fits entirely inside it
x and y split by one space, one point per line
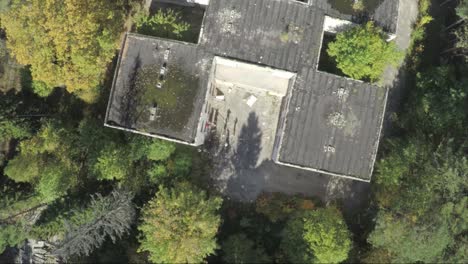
281 34
252 30
179 101
309 129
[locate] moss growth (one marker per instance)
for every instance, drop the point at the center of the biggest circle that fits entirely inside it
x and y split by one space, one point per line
292 33
174 100
352 7
284 37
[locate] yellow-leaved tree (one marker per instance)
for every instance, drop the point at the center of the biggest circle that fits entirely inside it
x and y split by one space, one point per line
67 42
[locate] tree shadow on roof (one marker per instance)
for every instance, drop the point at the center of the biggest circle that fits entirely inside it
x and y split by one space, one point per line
130 99
248 145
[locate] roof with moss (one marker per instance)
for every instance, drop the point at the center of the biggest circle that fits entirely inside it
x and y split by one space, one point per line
328 124
159 87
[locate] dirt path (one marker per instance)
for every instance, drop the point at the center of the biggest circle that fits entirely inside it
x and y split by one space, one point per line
395 78
407 15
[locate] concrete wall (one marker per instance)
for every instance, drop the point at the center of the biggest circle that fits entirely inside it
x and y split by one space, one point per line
252 77
179 2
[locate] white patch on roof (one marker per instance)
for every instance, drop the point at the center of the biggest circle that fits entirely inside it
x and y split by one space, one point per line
335 25
251 77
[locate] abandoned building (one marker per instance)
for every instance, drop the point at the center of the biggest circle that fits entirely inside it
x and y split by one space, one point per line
256 58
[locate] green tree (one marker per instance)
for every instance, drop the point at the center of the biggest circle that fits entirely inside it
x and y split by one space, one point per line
14 205
12 124
438 103
459 253
402 159
461 33
41 88
112 163
106 217
180 225
160 160
166 24
152 149
111 155
363 53
62 52
409 242
4 4
11 235
47 161
240 249
462 9
293 244
317 236
427 212
279 206
442 178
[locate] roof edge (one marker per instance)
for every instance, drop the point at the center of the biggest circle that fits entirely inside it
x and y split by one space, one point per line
158 136
114 78
322 171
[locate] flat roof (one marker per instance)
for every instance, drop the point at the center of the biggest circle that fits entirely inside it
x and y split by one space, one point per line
326 123
333 125
288 35
280 34
173 110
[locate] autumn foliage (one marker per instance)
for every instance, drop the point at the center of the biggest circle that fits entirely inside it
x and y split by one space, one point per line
67 42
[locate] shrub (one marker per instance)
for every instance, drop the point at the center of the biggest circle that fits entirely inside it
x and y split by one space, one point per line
167 24
278 206
363 53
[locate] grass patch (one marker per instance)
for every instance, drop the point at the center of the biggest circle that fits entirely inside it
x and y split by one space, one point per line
170 21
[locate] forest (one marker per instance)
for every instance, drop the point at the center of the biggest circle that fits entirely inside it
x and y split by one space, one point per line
90 194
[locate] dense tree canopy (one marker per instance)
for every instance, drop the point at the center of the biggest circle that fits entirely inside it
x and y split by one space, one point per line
64 155
317 236
363 53
240 249
54 158
46 161
180 225
439 102
106 217
67 43
279 206
424 203
422 178
11 235
15 120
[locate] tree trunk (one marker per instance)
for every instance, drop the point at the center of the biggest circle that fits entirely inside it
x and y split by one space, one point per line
445 2
23 212
454 24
